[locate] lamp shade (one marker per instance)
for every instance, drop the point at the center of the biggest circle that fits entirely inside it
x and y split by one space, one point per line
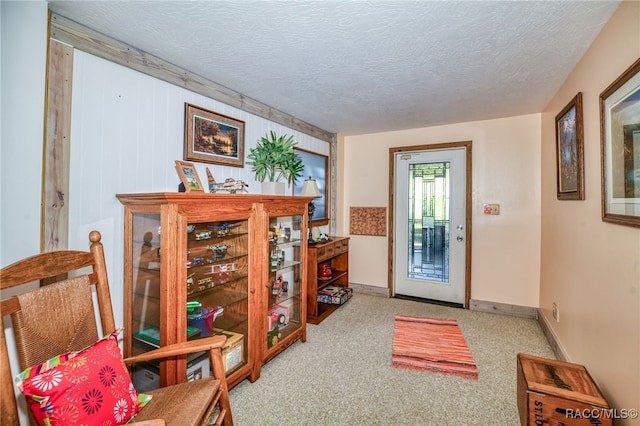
310 189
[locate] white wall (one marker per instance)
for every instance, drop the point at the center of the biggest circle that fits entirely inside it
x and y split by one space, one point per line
506 170
24 43
127 129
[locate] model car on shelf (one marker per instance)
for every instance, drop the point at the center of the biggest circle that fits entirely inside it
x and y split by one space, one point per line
278 316
279 285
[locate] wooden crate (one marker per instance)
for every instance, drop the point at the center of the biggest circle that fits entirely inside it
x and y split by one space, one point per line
553 392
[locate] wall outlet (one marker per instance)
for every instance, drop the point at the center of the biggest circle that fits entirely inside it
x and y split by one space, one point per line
556 312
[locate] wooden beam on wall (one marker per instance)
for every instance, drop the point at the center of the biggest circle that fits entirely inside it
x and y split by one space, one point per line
100 45
55 175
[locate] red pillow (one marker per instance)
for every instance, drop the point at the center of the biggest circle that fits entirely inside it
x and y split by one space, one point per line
90 387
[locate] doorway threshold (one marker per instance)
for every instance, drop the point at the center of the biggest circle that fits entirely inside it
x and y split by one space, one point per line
431 301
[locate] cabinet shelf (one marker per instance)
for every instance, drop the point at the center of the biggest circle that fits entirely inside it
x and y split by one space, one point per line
208 282
200 235
287 264
222 298
335 253
337 276
283 242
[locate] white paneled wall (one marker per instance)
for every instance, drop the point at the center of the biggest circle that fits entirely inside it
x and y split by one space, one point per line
127 129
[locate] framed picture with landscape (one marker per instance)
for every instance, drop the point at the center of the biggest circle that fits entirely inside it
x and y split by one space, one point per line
570 151
213 138
189 176
620 148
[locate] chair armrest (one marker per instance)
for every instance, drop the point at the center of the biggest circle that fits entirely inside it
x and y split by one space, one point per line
156 422
182 348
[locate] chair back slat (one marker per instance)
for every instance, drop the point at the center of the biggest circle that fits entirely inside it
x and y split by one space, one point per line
43 266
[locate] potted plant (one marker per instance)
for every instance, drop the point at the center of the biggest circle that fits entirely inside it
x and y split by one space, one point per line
274 161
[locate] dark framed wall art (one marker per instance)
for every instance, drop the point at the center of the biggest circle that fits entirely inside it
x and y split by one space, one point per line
620 148
316 166
570 151
213 138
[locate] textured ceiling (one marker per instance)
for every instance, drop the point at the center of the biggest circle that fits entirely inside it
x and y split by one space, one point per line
355 67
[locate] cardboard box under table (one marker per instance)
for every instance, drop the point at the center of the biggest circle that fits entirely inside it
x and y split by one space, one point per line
554 392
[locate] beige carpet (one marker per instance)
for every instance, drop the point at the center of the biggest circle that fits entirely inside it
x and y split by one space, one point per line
343 375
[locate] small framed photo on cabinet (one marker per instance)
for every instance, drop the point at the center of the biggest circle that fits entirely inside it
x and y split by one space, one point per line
189 176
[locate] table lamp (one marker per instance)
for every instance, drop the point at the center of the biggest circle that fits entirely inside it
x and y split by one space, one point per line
310 189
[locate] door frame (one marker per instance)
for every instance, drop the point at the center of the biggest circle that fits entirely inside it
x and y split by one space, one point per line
391 240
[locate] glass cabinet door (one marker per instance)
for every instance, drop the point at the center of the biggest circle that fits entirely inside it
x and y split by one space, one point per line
145 279
216 289
217 285
284 306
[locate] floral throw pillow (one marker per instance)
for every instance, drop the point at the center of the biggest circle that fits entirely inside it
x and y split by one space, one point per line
87 387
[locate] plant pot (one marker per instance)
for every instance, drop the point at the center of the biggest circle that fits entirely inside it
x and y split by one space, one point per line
273 188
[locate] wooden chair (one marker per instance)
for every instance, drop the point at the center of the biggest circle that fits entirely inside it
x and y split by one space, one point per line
59 317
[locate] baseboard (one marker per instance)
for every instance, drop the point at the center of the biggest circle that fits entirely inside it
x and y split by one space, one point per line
503 309
551 337
369 289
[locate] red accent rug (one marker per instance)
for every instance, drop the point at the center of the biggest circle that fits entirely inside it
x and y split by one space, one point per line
432 344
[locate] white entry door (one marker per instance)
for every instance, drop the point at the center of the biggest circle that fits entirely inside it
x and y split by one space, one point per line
429 224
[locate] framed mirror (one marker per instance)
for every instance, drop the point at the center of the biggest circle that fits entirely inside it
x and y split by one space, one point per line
316 166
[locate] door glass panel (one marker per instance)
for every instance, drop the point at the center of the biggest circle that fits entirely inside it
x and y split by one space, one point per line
428 225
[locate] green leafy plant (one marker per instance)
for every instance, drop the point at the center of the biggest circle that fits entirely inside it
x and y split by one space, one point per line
274 159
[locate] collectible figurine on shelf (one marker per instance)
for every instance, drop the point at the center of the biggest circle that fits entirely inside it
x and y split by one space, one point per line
204 235
279 286
230 185
273 336
325 272
223 229
277 258
218 252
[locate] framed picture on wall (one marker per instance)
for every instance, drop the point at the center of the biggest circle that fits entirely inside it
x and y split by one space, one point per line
213 138
620 148
189 176
316 166
570 151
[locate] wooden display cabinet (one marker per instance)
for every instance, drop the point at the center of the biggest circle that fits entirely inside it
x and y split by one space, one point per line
189 256
334 253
